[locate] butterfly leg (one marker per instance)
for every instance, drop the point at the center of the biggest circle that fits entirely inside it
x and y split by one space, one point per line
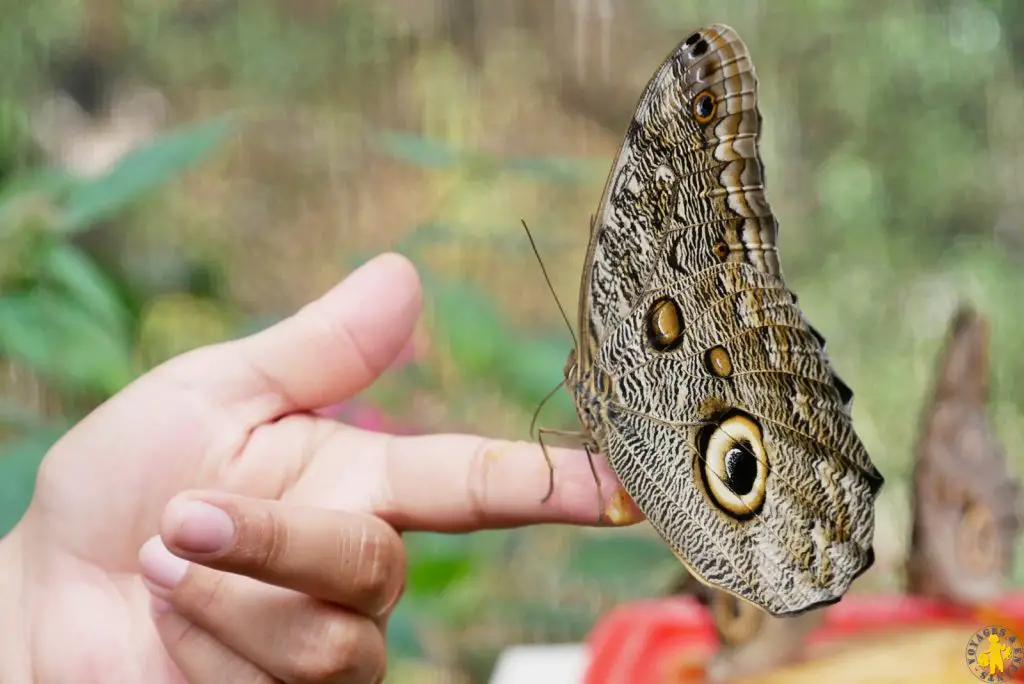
597 481
551 466
547 459
578 436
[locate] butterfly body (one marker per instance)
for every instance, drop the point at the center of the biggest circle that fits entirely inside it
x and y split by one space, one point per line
695 373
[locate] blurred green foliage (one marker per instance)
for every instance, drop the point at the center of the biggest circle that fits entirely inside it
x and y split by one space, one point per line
62 317
893 148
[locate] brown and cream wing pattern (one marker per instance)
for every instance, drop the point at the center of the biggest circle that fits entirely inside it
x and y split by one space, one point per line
697 375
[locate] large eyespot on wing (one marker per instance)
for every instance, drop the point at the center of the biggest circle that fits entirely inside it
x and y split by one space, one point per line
749 505
733 465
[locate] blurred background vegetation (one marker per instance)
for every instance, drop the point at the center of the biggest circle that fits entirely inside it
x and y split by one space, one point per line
175 172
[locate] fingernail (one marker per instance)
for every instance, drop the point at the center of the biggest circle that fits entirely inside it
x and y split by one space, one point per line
621 510
198 527
160 567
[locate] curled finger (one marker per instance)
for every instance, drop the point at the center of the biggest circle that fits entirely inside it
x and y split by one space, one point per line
354 560
293 637
201 657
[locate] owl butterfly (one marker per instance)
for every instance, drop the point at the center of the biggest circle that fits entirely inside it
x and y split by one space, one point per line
695 372
965 519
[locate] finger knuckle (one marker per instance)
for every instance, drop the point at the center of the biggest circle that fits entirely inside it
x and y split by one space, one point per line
367 360
183 637
478 479
206 594
268 539
340 651
379 559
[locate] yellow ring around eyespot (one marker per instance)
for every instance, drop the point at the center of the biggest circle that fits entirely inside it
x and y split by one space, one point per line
701 96
732 431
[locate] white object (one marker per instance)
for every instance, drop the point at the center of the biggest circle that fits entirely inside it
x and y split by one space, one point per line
541 664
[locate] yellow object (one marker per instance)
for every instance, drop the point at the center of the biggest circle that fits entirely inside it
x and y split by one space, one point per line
928 656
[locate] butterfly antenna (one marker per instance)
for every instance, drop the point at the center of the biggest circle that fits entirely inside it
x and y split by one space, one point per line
550 288
536 413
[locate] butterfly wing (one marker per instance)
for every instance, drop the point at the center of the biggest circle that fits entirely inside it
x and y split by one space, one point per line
697 375
964 499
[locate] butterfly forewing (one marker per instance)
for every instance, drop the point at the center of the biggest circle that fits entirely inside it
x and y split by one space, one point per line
696 374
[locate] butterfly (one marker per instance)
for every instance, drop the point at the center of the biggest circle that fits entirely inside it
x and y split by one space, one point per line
964 500
695 372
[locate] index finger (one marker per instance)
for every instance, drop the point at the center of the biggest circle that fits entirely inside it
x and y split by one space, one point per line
461 483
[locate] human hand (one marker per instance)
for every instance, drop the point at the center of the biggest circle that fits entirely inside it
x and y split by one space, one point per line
288 523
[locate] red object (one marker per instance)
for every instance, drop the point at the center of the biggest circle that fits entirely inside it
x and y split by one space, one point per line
642 642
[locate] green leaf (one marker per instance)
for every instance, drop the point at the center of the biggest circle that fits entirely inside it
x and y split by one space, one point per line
557 170
250 325
615 558
58 339
80 278
526 368
141 170
433 153
47 181
533 368
427 234
18 417
432 576
19 463
403 642
432 544
437 561
421 151
471 325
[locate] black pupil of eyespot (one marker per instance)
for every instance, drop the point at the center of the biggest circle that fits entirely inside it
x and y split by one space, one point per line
740 469
704 106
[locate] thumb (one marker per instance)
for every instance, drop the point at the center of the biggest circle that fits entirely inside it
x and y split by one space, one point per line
328 351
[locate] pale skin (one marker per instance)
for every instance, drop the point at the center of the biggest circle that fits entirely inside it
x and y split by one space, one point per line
206 525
